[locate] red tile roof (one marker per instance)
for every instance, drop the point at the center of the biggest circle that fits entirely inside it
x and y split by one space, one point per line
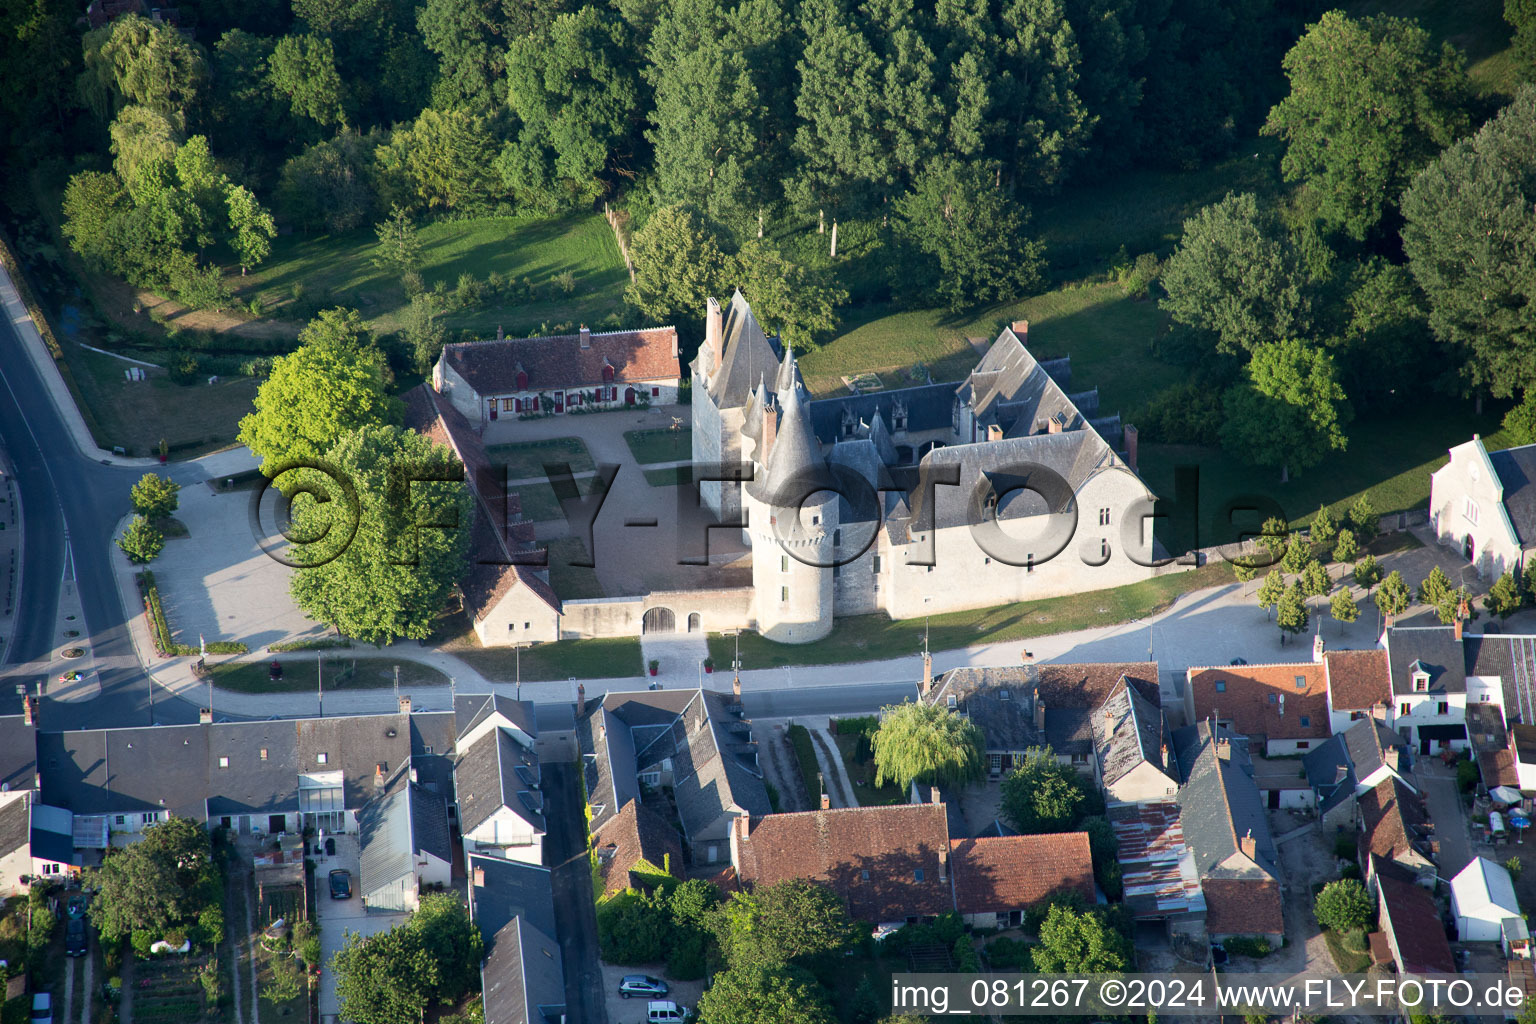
1003 873
1243 906
1088 685
636 834
1412 922
1249 696
1358 680
885 862
491 367
1390 814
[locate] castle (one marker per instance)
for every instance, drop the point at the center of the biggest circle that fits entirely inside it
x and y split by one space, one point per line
913 501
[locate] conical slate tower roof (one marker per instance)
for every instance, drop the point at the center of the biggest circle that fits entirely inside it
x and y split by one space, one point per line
881 439
788 375
756 401
795 455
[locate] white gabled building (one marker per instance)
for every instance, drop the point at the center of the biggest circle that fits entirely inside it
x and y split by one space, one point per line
1483 504
496 782
1486 910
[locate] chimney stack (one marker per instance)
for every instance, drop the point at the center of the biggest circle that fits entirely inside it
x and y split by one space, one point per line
995 432
1053 425
736 683
29 709
943 865
405 705
934 796
770 432
927 673
479 877
1039 716
1224 748
500 334
581 698
714 334
586 336
1249 846
205 716
378 775
1317 648
826 800
1130 437
1021 328
1462 614
1392 757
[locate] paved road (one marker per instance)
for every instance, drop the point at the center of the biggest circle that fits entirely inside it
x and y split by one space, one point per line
575 913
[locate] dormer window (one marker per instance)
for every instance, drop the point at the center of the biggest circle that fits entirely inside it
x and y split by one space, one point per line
522 379
1221 686
1421 682
953 704
607 372
322 758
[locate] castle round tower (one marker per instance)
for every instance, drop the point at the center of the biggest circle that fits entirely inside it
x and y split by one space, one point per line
792 518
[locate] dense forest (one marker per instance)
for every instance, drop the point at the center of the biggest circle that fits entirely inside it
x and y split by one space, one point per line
824 154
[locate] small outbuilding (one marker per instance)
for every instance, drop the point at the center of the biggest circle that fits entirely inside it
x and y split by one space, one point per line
1484 904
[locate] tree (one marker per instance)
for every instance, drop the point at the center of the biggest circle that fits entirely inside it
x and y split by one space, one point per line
923 742
1343 607
155 496
334 382
470 38
149 63
1372 101
1364 518
1520 422
960 230
678 266
1291 610
1078 942
774 925
302 70
786 298
1274 537
93 203
424 332
1291 413
1324 528
1504 597
142 541
1343 906
1042 794
754 995
1298 555
1346 549
251 227
140 135
1315 581
391 977
443 160
1469 228
1236 277
1521 15
165 879
1393 596
393 578
1245 574
1435 590
329 186
285 981
399 249
1271 590
1367 572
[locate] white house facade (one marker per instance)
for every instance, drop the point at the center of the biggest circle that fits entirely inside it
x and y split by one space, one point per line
1483 504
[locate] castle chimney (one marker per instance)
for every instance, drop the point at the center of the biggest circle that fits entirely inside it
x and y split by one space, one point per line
405 705
1053 425
1317 648
581 698
205 716
927 673
29 710
586 336
1039 716
1021 328
994 432
770 431
1130 436
479 877
1249 846
714 334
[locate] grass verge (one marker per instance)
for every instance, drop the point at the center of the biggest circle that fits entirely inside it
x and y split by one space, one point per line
601 658
648 446
572 582
872 637
805 757
340 674
528 458
861 772
1350 952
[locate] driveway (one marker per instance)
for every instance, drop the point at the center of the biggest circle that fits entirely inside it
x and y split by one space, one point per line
632 1010
339 918
565 847
1445 809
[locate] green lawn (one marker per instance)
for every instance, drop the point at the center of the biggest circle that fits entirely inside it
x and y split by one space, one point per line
676 476
539 501
861 772
528 458
1390 459
564 659
867 637
341 673
340 268
1351 954
1106 334
572 581
1476 27
665 445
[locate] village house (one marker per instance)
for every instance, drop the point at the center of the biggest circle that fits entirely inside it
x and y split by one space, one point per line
1395 829
1483 505
405 845
1431 687
1359 686
1281 708
522 978
1130 738
1410 930
1352 763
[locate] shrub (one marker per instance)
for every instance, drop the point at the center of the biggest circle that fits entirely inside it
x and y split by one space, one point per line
468 291
1343 906
185 368
141 940
1136 279
1344 846
566 282
412 282
1242 946
1186 413
1467 774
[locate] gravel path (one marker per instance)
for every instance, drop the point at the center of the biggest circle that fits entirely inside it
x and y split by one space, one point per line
86 989
839 787
69 989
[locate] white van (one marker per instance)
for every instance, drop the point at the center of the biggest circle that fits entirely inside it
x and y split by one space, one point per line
665 1011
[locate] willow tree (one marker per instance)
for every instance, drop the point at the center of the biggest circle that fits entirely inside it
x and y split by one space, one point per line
925 743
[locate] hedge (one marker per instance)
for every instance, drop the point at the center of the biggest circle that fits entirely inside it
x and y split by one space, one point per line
160 629
810 771
312 644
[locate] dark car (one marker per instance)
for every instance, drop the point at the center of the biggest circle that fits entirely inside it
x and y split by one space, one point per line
74 937
1239 661
641 985
341 884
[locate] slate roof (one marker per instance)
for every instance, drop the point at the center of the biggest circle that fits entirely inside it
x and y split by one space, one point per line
469 710
794 452
1330 773
928 407
251 784
636 834
1411 918
18 754
1436 649
487 779
1069 731
898 847
1007 873
559 361
998 701
1516 468
432 739
1009 386
1127 731
1219 804
403 821
1394 819
1358 680
523 975
53 834
749 356
1264 700
15 826
1367 742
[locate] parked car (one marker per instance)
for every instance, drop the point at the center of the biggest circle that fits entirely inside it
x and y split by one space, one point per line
42 1008
74 937
341 884
1239 661
641 985
665 1011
